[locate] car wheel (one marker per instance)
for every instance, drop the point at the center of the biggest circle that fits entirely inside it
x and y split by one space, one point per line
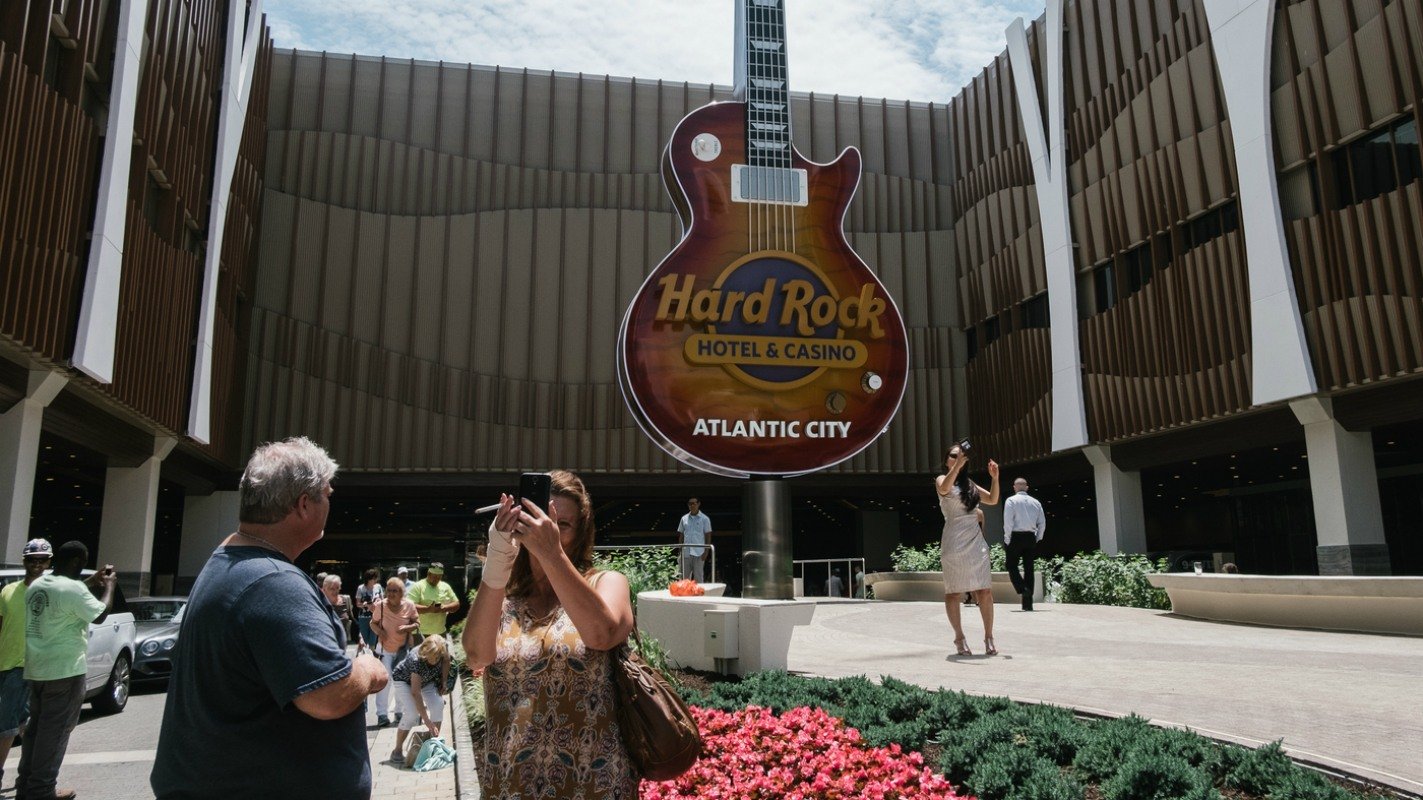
115 695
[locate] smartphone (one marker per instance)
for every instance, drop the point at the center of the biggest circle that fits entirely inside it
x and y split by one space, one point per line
535 486
965 446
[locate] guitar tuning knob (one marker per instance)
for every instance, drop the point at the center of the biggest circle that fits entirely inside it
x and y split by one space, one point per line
871 382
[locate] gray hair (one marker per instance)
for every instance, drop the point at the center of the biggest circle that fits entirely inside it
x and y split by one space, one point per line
278 474
331 580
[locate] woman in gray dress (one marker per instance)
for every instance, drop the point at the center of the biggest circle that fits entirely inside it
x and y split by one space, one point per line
964 551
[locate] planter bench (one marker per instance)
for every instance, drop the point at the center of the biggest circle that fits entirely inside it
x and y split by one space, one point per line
762 628
929 586
1330 602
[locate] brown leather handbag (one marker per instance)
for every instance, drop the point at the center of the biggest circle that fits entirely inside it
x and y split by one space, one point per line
658 728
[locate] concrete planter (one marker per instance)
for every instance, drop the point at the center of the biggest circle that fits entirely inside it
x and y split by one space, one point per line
1331 602
928 587
1003 588
907 586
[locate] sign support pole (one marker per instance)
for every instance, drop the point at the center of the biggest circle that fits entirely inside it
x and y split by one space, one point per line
766 569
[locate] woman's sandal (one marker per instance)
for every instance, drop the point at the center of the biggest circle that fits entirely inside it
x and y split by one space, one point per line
988 648
962 645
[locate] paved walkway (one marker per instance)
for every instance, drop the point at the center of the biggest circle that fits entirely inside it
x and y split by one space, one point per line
1345 700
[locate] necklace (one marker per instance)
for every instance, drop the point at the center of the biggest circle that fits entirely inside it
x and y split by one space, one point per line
246 535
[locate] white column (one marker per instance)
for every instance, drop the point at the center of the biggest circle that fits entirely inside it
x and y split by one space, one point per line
1344 484
129 514
19 456
241 60
1279 354
1121 522
207 520
1046 142
99 308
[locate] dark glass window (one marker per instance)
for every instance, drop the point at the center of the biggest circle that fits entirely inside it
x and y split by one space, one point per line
1405 138
1371 161
990 331
1035 313
1104 282
1137 264
1211 225
1376 164
54 65
153 203
1161 252
972 342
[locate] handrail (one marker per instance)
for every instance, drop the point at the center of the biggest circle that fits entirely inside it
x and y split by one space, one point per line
849 563
708 545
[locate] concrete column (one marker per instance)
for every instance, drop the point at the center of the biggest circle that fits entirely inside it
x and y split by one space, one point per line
1279 354
99 309
1344 483
19 456
243 47
1046 136
206 522
1121 522
127 521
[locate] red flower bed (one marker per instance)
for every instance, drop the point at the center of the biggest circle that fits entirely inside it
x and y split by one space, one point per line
804 754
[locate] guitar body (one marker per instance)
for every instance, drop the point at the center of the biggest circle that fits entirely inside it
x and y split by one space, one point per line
761 315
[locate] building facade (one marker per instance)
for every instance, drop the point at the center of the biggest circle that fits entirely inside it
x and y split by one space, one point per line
1175 285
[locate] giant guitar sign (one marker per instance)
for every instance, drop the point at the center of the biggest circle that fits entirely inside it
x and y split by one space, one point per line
762 344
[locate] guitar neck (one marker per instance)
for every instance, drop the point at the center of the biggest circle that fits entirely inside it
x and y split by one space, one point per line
761 81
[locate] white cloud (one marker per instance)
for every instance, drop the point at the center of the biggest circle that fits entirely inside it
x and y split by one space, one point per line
899 49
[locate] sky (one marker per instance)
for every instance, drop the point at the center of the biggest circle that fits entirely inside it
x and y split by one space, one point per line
923 50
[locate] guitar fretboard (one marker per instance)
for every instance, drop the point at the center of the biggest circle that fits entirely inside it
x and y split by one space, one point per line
768 118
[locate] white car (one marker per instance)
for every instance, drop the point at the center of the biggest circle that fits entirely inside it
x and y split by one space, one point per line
111 651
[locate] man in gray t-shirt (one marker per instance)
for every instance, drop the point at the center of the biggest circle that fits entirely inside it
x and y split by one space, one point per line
694 529
263 699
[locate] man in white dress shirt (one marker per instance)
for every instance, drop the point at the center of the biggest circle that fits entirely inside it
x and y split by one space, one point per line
694 529
1023 526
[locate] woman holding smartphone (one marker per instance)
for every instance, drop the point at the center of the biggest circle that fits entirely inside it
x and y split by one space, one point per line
541 629
964 552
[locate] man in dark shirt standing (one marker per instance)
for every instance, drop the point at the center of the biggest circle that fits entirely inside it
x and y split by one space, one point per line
262 687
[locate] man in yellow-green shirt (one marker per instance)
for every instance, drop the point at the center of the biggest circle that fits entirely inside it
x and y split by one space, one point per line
59 609
14 692
434 599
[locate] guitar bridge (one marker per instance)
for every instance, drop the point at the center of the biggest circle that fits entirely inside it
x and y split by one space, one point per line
779 186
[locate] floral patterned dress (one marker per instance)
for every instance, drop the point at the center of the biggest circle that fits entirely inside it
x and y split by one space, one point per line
552 728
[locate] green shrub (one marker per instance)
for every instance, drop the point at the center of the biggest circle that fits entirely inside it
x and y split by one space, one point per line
917 559
1002 750
1049 784
1152 776
654 655
964 747
1099 579
998 558
1003 771
1300 784
1054 733
646 569
474 703
1260 770
1196 750
1107 745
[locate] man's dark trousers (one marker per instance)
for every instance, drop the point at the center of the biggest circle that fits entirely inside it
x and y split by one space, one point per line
54 711
1020 548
